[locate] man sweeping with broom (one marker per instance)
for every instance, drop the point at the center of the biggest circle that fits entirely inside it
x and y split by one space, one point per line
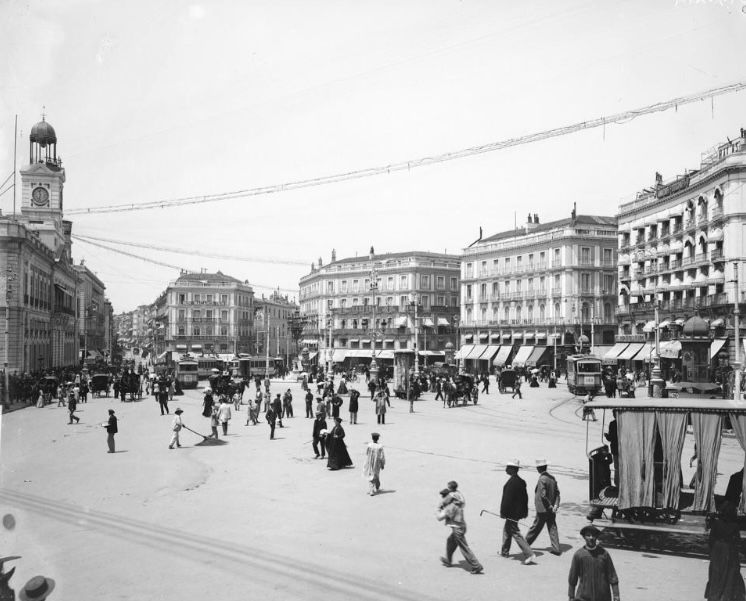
176 427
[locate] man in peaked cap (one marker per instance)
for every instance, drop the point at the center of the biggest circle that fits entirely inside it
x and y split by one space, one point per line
514 507
592 566
546 500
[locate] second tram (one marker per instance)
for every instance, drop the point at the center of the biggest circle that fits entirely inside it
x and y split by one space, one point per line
187 372
583 374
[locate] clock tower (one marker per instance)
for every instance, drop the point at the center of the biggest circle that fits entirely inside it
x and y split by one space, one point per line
42 183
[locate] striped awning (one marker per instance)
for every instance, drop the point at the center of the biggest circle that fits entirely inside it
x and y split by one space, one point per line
463 351
522 355
502 356
716 345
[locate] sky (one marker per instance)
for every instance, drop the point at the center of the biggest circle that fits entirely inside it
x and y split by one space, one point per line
154 101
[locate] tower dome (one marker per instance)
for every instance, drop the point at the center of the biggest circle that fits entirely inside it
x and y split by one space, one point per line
695 327
43 133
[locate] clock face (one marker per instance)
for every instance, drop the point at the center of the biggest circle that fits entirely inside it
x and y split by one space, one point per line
40 197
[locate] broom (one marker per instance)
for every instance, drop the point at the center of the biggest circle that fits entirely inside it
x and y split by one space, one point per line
206 441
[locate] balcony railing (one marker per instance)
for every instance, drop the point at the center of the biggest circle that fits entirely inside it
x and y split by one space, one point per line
716 255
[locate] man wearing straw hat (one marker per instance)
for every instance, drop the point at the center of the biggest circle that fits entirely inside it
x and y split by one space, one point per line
514 507
176 428
37 589
547 500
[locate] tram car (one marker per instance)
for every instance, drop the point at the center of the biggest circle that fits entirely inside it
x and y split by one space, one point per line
187 372
584 374
648 492
205 365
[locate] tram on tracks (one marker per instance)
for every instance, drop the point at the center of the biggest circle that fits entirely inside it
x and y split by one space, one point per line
583 374
647 492
187 371
205 365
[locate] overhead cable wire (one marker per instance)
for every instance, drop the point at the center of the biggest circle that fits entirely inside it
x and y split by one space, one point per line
195 253
6 180
171 266
419 162
7 189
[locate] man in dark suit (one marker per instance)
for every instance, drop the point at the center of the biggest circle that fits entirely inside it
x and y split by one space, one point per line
514 507
735 488
111 429
319 425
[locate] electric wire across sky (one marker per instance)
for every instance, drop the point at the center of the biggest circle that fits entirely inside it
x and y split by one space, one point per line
617 118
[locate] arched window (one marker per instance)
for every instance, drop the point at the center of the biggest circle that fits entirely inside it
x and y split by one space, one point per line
530 312
354 324
718 199
541 312
506 312
557 313
518 313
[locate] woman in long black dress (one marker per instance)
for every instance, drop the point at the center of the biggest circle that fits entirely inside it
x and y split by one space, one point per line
336 447
725 581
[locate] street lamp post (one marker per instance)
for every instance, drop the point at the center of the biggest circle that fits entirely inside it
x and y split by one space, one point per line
416 337
330 349
373 288
458 341
10 277
737 336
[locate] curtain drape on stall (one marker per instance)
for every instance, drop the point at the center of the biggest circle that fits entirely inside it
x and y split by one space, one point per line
738 422
672 428
636 467
707 437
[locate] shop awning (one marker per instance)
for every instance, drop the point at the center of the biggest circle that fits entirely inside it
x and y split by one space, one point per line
365 340
541 336
529 335
442 321
506 336
389 341
599 350
355 340
463 351
518 335
476 352
401 322
181 347
502 356
664 324
680 321
339 355
490 352
495 338
717 323
646 353
630 351
468 337
428 323
670 349
537 356
385 354
614 351
162 356
649 326
309 341
312 356
716 345
431 353
483 337
522 355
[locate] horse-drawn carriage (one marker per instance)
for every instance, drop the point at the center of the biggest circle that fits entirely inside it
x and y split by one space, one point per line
130 384
48 386
222 384
99 385
467 389
507 379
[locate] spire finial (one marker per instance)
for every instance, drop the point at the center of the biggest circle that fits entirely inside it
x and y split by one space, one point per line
43 112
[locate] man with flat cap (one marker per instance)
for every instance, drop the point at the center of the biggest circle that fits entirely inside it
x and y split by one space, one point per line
111 429
452 512
592 566
546 500
514 507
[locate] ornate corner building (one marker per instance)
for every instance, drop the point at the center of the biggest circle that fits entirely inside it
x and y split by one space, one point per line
681 252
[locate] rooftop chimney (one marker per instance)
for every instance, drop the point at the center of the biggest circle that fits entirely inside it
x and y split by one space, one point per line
530 224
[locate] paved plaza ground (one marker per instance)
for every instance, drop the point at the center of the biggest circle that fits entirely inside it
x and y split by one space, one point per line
261 519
